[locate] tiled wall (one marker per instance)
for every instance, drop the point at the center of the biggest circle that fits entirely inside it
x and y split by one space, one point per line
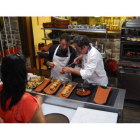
112 47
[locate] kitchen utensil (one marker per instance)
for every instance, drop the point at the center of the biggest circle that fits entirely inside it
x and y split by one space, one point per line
69 64
83 87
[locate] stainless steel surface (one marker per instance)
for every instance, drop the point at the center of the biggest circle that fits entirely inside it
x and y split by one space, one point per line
74 104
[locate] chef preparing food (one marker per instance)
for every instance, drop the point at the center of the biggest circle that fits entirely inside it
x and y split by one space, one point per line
92 70
60 56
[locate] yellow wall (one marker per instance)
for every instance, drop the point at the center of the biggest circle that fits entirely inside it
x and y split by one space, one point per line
38 33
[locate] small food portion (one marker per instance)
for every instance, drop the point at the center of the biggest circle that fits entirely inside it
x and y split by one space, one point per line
128 38
82 92
52 87
34 82
62 72
66 89
133 39
138 39
55 63
55 84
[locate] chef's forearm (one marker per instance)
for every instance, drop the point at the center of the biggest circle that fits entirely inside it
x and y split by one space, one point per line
75 71
80 56
47 63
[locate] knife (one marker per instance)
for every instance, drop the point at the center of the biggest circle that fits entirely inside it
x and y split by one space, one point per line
69 64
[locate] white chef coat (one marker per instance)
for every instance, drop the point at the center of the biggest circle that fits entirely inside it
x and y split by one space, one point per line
61 62
93 68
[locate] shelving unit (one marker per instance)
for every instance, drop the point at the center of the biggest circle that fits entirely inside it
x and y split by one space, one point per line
72 30
75 30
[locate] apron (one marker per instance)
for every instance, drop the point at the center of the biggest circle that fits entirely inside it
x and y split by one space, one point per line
61 62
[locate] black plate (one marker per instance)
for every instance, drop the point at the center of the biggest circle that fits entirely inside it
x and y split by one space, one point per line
56 118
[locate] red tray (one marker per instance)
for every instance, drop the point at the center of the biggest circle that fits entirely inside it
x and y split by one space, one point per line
47 89
43 85
68 94
101 95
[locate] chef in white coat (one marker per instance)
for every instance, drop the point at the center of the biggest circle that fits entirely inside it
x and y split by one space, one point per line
92 70
59 56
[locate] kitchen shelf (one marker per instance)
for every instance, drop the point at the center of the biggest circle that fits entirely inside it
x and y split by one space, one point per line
79 30
130 36
135 42
130 27
57 39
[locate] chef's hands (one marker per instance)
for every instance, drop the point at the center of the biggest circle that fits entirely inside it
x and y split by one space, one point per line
50 64
62 72
66 70
78 59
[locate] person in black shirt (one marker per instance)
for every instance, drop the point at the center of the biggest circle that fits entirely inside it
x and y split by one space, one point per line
60 56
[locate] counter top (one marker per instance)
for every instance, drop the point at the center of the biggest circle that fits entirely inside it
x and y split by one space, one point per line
71 103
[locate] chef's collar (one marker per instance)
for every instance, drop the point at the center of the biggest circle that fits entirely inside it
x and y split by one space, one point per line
89 49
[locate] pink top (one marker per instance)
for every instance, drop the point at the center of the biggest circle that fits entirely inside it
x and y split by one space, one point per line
22 112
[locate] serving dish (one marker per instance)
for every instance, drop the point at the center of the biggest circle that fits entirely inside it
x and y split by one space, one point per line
42 85
47 90
101 95
34 82
69 92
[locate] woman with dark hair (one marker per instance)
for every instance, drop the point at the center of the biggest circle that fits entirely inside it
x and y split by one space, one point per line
16 105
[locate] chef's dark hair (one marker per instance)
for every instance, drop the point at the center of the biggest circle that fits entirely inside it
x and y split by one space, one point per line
81 40
14 78
65 36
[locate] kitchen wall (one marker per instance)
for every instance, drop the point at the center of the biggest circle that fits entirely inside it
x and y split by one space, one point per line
13 21
38 33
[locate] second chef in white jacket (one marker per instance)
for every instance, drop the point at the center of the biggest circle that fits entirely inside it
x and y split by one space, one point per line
92 70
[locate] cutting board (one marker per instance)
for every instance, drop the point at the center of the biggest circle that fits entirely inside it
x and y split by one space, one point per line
85 115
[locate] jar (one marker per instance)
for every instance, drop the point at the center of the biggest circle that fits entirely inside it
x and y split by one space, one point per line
87 26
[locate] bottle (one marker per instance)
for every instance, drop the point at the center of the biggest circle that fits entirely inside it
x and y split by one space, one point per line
102 48
96 45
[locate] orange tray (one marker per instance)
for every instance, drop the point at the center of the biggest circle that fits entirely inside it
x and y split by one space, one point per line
43 85
101 95
48 91
60 95
80 93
